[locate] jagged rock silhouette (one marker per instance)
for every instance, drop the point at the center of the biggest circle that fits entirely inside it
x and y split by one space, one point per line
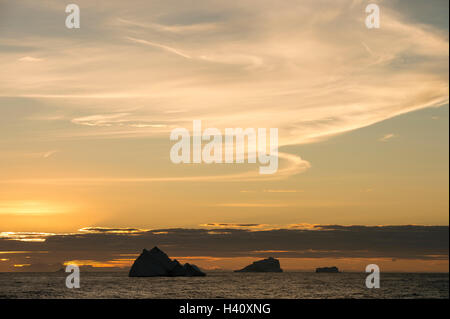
155 262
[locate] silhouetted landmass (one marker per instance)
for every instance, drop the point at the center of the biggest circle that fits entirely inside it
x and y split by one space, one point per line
266 265
156 263
327 270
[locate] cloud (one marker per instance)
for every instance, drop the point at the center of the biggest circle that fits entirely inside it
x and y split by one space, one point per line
248 205
387 137
25 236
304 226
293 165
29 59
178 28
45 154
235 225
312 71
229 240
274 191
49 153
116 119
100 119
161 46
105 230
283 191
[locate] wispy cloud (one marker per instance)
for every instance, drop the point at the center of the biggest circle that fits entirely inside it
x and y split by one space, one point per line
235 225
100 119
161 46
283 191
29 59
43 154
292 165
49 153
109 230
115 119
387 137
239 67
177 28
250 205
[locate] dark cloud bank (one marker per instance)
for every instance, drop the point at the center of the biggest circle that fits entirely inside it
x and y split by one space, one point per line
331 241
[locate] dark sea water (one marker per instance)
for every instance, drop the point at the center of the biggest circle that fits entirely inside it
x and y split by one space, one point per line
225 285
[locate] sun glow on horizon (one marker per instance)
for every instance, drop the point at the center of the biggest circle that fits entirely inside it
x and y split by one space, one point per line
28 207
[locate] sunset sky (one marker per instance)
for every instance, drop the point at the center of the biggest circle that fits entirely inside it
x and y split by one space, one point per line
362 114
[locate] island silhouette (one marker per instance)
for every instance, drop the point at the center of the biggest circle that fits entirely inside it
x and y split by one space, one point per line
266 265
155 262
333 270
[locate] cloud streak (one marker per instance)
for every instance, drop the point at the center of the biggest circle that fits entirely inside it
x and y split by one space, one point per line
387 137
161 46
294 164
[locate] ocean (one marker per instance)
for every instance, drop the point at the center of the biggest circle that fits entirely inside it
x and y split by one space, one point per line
301 285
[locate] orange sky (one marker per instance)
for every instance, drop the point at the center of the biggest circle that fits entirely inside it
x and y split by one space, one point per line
86 115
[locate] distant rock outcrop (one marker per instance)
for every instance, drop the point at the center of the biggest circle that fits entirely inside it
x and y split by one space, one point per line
155 262
327 270
266 265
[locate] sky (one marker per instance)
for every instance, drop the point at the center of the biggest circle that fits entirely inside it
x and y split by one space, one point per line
362 116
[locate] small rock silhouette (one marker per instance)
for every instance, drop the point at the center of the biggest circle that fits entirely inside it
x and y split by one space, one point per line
266 265
327 270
